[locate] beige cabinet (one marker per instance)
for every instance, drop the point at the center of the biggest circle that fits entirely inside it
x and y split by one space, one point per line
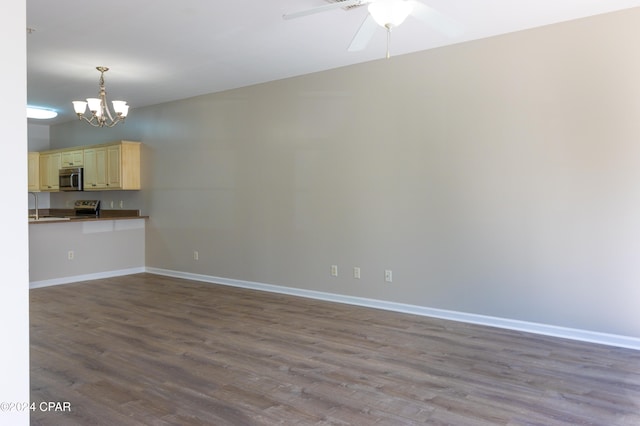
50 164
95 168
73 158
34 171
110 166
114 166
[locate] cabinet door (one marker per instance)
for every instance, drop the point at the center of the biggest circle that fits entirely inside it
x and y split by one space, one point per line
101 168
89 169
34 171
95 168
49 169
73 158
114 163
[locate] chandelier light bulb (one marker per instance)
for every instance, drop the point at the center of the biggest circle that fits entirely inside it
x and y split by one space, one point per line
79 107
121 108
94 105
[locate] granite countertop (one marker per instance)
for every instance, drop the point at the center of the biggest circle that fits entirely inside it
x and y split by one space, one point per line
69 215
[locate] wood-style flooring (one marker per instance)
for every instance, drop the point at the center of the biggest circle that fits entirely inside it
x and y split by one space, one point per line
151 350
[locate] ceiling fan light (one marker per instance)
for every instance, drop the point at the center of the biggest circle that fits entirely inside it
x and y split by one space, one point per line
390 13
40 113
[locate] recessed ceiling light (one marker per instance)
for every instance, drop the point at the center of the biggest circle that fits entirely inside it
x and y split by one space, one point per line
40 113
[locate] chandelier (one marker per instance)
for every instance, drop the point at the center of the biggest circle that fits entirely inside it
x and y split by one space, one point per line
101 116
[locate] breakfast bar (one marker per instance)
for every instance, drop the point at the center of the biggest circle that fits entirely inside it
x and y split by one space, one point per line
64 249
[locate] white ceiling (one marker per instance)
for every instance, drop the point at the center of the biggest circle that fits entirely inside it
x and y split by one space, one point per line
160 51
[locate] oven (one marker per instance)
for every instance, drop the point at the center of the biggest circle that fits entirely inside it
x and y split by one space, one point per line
84 209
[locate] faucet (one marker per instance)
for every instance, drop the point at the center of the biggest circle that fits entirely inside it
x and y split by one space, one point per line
35 197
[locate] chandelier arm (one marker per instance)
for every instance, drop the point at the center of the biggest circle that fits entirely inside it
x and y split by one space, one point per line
90 121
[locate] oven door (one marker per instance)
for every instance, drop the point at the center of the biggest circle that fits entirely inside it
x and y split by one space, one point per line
71 179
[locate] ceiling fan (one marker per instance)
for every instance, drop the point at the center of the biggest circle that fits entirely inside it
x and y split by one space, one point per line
387 14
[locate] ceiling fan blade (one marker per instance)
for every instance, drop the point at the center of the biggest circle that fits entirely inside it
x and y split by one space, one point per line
364 34
326 7
436 20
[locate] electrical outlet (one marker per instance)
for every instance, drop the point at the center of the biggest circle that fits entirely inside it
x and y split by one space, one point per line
70 254
356 272
334 270
196 255
388 275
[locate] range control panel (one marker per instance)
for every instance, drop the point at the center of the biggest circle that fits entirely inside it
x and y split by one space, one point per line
87 206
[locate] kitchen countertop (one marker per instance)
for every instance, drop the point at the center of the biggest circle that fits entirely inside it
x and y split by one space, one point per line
68 215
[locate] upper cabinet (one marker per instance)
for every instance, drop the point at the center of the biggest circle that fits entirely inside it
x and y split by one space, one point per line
95 171
110 166
73 158
50 163
114 166
34 171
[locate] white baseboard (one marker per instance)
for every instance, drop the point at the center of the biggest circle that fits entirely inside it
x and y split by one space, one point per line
86 277
529 327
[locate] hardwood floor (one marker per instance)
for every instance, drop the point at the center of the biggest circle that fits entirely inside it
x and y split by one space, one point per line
152 350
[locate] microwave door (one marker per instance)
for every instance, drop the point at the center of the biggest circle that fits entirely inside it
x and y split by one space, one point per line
76 181
64 181
80 180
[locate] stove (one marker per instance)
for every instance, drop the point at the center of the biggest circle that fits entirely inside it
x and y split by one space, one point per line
86 208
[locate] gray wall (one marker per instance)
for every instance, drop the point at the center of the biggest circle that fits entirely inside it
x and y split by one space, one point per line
498 177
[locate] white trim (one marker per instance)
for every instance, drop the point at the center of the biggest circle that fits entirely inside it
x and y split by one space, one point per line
525 326
87 277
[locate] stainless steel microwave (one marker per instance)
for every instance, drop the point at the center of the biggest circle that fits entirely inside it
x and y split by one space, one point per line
71 179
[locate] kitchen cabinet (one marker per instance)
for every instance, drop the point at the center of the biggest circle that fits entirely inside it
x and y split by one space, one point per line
34 171
95 168
73 158
109 166
50 163
114 166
